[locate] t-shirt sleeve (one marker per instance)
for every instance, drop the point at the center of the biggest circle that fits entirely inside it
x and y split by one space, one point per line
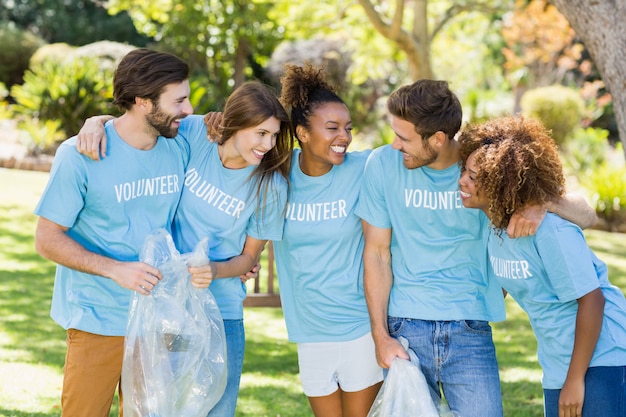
267 222
193 130
567 259
64 195
372 206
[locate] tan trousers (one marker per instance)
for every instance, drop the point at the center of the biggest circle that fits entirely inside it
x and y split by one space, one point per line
92 372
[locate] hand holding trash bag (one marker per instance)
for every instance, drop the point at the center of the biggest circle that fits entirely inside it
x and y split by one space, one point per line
405 392
174 352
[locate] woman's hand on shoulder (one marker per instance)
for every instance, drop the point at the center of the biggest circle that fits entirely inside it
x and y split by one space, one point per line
91 139
212 121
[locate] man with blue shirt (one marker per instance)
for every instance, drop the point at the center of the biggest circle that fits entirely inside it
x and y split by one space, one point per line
425 256
94 217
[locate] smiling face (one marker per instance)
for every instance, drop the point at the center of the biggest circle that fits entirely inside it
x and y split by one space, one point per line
172 106
249 146
416 151
470 194
325 144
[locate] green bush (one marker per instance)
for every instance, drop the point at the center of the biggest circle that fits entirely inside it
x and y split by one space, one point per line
4 106
68 91
108 53
17 48
51 51
4 92
586 149
559 108
44 135
607 183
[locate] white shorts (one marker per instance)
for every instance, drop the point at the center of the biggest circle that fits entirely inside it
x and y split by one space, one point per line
327 366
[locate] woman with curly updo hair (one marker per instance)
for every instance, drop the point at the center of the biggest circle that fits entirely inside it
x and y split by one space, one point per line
319 259
578 317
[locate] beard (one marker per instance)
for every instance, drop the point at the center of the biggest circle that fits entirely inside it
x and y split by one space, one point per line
429 155
162 122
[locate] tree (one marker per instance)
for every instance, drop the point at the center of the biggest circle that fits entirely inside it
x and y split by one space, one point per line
540 47
408 27
228 39
76 22
599 26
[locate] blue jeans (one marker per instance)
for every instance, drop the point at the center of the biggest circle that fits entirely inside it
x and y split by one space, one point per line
605 393
235 346
458 358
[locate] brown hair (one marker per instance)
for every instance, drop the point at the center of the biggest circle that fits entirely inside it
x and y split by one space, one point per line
249 105
145 73
429 105
518 164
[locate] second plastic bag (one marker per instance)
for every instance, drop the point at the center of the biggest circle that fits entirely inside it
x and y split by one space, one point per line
405 392
174 351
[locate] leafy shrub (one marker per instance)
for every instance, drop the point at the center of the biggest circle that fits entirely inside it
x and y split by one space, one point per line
51 51
4 92
559 108
586 150
108 53
17 48
44 135
607 183
4 106
68 91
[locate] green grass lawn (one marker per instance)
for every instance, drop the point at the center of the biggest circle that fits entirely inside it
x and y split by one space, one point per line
32 346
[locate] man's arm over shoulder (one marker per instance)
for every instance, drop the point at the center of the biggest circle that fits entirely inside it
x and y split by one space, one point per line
572 207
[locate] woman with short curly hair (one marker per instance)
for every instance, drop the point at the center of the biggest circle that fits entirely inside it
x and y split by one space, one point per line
578 317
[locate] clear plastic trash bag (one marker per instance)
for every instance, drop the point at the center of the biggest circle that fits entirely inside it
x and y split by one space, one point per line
405 392
174 350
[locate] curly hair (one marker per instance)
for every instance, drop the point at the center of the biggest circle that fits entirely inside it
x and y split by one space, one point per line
305 89
517 162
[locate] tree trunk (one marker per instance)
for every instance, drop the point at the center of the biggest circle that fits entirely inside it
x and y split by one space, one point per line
598 23
241 62
415 44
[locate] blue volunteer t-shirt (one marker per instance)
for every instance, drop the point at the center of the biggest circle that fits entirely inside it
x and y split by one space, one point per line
546 274
109 206
438 252
220 203
320 259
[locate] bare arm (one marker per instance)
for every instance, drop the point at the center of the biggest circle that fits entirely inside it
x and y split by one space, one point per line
53 243
588 325
377 280
91 139
572 207
201 277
